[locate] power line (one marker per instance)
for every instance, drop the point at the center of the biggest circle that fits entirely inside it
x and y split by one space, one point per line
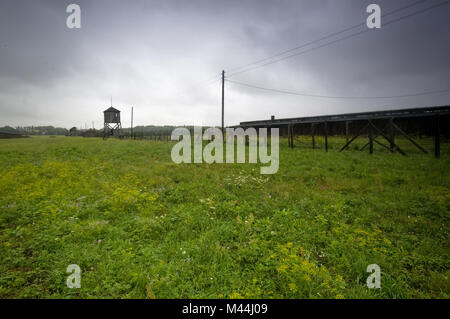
341 39
337 97
323 38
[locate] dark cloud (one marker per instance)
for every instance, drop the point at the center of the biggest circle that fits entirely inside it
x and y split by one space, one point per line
153 54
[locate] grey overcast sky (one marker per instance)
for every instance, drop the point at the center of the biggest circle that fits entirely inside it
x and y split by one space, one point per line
153 54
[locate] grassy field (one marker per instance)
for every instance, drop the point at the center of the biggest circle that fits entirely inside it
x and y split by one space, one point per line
140 226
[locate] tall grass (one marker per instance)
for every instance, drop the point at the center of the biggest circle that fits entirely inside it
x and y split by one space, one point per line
140 226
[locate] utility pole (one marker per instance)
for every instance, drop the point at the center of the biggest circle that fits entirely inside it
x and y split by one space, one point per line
131 122
223 99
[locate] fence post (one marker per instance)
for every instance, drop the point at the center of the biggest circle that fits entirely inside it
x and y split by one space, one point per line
437 138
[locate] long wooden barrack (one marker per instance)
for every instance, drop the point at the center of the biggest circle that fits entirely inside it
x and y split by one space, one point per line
430 119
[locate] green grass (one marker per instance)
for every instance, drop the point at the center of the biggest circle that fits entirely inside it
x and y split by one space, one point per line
140 226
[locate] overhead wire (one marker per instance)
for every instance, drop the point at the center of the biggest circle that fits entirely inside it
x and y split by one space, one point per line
337 97
322 38
340 39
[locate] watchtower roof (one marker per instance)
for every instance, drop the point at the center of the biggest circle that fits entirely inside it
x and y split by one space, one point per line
111 109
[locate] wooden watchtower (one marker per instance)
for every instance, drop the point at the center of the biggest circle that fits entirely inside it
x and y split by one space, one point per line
113 126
